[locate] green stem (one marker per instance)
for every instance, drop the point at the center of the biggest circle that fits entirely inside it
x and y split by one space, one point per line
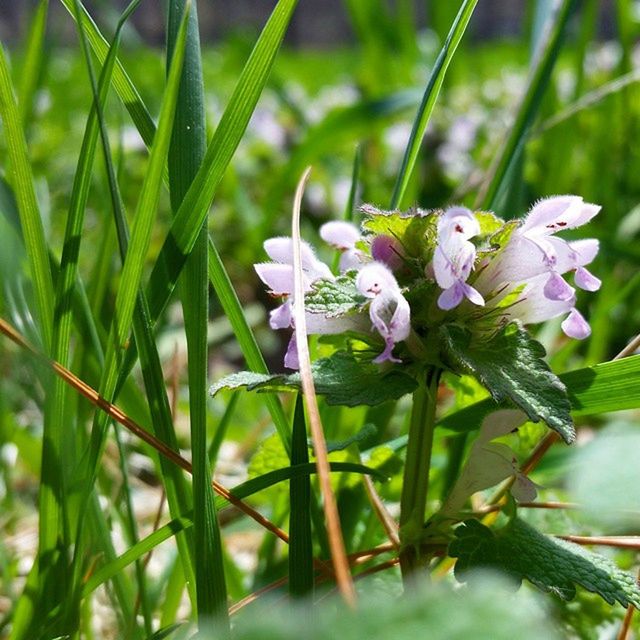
415 486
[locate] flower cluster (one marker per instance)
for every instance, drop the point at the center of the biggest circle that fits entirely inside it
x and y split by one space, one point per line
411 272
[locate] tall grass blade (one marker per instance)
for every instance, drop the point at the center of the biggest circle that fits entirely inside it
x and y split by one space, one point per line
33 61
187 151
300 542
429 98
21 179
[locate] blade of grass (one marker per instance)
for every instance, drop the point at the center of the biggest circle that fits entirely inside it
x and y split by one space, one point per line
338 554
301 575
527 110
121 81
186 153
21 179
131 274
33 61
55 580
175 486
429 98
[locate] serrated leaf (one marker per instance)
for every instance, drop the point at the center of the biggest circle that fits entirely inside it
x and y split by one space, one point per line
333 298
416 229
489 223
510 365
550 564
341 379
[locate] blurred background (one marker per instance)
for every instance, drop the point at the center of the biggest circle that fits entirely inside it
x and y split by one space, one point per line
317 23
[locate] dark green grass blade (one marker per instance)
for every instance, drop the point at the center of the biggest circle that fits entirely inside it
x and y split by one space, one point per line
536 88
21 179
33 61
300 542
187 151
429 98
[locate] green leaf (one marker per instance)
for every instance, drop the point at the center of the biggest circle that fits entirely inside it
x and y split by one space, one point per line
550 564
20 177
416 229
341 379
610 386
336 297
510 365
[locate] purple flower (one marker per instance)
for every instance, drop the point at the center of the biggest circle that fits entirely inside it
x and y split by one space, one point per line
278 275
388 250
535 260
454 256
343 236
389 311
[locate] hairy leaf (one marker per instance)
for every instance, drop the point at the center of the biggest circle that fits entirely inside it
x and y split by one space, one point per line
510 365
550 564
341 379
334 298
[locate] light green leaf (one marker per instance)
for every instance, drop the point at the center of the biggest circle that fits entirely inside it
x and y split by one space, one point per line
336 297
341 379
552 565
510 365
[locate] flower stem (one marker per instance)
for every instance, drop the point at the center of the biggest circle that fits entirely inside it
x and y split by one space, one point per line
415 486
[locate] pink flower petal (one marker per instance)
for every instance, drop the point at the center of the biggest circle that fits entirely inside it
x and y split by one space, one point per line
342 235
291 356
556 288
575 326
278 277
586 280
450 298
375 278
281 317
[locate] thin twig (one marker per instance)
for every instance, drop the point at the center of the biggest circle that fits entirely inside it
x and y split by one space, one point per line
334 532
628 616
630 349
621 542
389 524
122 418
252 597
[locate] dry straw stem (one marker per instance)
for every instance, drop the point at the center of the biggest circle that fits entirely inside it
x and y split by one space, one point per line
119 416
334 532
